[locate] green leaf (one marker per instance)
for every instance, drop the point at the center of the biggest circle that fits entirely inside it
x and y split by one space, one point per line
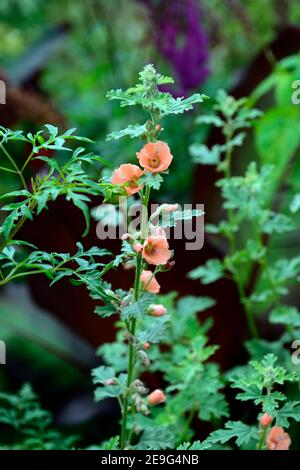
103 375
290 410
196 445
138 309
171 219
285 315
156 438
110 444
204 155
105 311
153 180
132 131
295 204
240 432
283 122
210 272
79 201
155 332
210 119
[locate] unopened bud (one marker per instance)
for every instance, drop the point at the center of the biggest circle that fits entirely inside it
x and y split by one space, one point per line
157 310
146 346
265 420
138 247
156 397
169 265
126 237
158 128
144 358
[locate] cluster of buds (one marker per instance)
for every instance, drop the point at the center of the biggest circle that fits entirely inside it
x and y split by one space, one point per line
139 401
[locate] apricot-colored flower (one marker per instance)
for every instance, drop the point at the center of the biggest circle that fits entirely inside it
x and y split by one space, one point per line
265 420
156 397
150 283
277 439
155 156
128 176
156 250
157 310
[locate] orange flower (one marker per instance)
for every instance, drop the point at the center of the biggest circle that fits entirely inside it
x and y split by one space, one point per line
265 420
127 175
156 250
150 286
155 156
156 397
277 439
157 310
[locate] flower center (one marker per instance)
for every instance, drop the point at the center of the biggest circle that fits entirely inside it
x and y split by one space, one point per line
154 161
149 248
133 183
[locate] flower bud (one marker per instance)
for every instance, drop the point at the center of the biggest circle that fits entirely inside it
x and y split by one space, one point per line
144 358
265 420
158 128
126 237
169 265
157 310
138 247
146 346
156 397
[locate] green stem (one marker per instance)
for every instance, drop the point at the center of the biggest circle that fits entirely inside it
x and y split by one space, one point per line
233 248
9 170
9 279
27 161
132 323
188 422
131 356
16 229
265 263
9 157
262 439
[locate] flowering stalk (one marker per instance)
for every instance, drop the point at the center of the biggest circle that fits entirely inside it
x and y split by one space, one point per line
148 246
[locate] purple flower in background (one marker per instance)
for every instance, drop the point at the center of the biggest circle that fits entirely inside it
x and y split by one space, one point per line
180 38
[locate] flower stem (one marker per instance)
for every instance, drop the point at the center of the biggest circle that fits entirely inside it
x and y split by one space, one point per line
233 248
132 324
262 439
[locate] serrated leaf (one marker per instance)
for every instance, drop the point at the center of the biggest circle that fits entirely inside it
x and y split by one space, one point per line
285 315
208 273
138 309
240 432
290 410
105 311
171 219
204 155
153 180
132 131
156 438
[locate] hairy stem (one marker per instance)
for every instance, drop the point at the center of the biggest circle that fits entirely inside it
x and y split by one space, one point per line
132 325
